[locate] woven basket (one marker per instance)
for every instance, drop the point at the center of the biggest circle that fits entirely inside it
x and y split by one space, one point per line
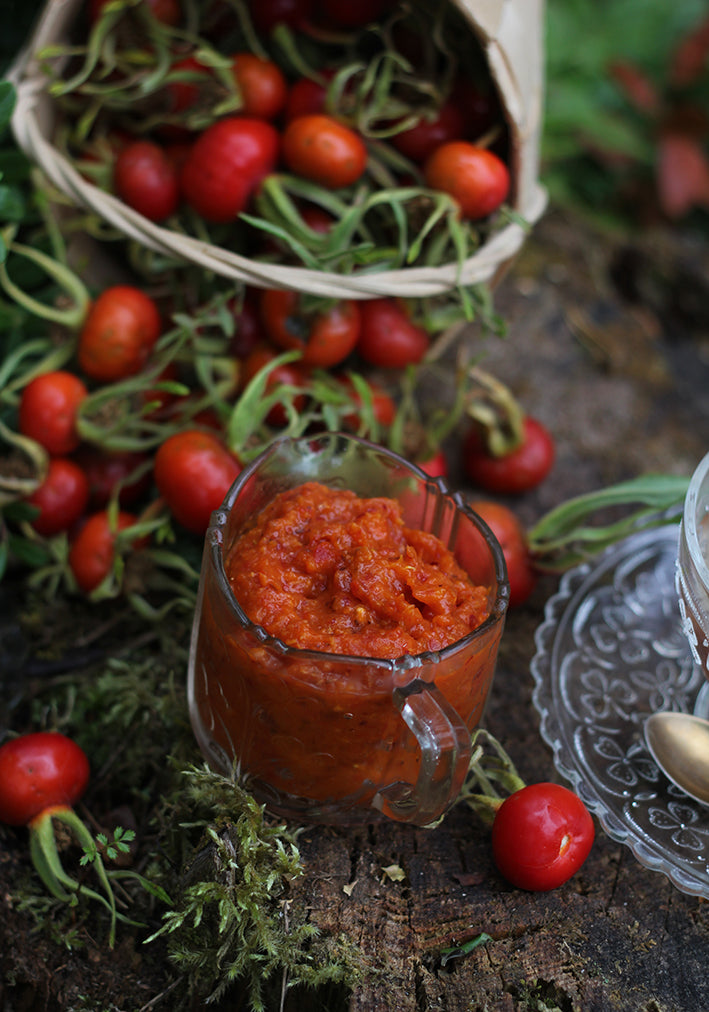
510 32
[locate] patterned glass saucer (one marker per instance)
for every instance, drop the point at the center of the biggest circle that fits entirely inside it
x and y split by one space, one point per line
610 651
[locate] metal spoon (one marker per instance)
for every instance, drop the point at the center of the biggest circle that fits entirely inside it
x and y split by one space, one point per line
679 744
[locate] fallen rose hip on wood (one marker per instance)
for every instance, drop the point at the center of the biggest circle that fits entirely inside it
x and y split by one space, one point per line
541 833
541 836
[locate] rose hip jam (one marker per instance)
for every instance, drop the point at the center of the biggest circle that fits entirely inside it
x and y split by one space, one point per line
323 569
346 634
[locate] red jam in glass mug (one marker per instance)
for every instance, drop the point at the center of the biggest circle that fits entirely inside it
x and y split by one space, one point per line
331 737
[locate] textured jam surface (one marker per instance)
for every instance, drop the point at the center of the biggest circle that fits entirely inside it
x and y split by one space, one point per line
323 569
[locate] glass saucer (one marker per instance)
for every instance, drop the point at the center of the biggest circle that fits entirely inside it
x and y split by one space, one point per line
610 651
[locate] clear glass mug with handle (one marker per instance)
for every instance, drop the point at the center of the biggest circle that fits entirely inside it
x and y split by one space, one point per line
329 738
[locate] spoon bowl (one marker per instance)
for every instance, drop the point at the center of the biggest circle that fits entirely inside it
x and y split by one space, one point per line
679 744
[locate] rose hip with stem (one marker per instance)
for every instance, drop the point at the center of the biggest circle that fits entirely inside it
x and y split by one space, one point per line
541 833
42 774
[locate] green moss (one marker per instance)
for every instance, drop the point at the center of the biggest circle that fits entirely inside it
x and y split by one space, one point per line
234 920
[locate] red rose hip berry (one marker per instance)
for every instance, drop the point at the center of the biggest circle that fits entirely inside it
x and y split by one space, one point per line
541 836
475 177
39 771
225 166
48 408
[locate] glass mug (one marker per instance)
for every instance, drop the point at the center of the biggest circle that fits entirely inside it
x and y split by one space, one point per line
692 567
326 738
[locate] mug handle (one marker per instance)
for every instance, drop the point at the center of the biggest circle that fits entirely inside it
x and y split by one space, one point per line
445 756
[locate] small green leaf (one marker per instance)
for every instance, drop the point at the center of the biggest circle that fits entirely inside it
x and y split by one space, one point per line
566 535
457 951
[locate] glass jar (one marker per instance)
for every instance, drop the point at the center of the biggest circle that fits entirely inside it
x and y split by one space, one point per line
692 567
328 738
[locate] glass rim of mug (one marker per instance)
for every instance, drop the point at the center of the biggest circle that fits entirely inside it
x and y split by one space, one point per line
689 520
214 545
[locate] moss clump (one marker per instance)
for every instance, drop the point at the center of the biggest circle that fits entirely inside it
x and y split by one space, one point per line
234 921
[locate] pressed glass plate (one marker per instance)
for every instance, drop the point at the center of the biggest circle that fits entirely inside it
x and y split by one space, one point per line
610 651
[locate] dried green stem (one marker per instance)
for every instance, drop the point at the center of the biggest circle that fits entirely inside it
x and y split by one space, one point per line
490 768
45 857
71 317
497 413
564 537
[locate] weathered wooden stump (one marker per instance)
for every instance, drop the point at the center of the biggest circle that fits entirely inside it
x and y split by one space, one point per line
624 392
623 386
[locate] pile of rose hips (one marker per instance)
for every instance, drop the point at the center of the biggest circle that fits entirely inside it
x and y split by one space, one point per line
98 496
249 93
189 461
355 91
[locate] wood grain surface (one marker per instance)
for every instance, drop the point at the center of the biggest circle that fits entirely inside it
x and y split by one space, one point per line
623 385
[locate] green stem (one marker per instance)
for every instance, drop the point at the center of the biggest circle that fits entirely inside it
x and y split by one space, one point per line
13 486
43 846
254 404
45 857
456 951
102 30
46 860
150 887
488 768
65 278
55 358
47 210
563 537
